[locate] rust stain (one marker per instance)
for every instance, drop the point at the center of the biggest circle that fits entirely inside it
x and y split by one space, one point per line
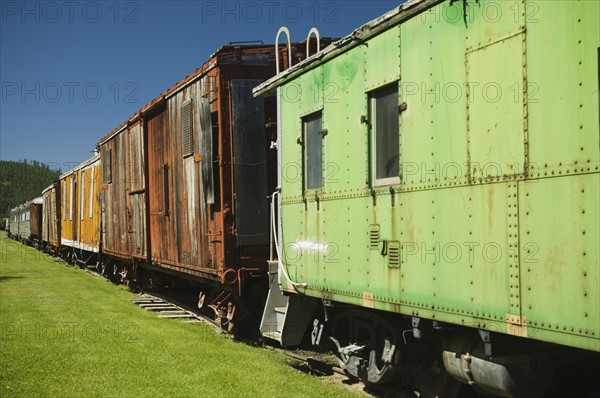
368 300
516 325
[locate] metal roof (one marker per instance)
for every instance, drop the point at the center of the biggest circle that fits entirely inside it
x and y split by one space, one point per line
217 58
357 37
93 159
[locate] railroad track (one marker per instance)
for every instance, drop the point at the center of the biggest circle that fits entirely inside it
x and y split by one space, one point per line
168 308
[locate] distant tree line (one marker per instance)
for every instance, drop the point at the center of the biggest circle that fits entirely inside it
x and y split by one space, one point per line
22 181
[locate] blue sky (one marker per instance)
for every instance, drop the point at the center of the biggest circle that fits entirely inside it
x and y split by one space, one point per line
72 71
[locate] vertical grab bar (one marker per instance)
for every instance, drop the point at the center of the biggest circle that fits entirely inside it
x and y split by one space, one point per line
281 30
317 35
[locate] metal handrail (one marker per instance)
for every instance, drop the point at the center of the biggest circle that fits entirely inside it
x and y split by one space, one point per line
317 35
281 30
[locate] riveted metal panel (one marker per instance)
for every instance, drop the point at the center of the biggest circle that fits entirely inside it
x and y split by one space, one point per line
249 164
308 92
462 270
383 46
562 69
433 129
292 166
560 271
345 159
491 21
496 136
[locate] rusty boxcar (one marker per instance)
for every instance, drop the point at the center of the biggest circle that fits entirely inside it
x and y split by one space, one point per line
35 221
186 179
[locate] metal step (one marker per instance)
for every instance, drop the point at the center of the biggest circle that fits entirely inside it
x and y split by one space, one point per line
280 310
156 305
272 335
174 312
165 308
147 301
175 316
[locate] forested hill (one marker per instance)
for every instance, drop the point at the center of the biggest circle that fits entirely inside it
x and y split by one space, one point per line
22 181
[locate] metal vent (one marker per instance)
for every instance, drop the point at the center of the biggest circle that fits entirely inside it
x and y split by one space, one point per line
187 147
393 253
374 236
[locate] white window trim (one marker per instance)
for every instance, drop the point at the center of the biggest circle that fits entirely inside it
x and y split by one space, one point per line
377 182
64 200
306 166
71 198
82 195
92 194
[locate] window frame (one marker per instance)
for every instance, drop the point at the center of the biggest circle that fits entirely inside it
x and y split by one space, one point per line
372 102
304 121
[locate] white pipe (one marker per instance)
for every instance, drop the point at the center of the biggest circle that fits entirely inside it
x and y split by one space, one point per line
276 198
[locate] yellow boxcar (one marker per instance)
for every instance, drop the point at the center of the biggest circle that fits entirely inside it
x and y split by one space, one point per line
80 215
68 202
88 205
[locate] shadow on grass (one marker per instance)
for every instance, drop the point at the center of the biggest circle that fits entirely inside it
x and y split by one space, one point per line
7 278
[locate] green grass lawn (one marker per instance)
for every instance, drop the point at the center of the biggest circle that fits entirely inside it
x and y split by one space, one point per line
66 333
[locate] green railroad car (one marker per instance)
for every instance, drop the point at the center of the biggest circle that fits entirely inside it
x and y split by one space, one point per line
437 216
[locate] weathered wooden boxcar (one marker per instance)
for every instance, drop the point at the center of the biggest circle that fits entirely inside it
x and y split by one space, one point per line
80 221
35 221
439 196
185 180
51 219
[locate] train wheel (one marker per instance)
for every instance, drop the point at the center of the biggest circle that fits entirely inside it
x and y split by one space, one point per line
432 380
